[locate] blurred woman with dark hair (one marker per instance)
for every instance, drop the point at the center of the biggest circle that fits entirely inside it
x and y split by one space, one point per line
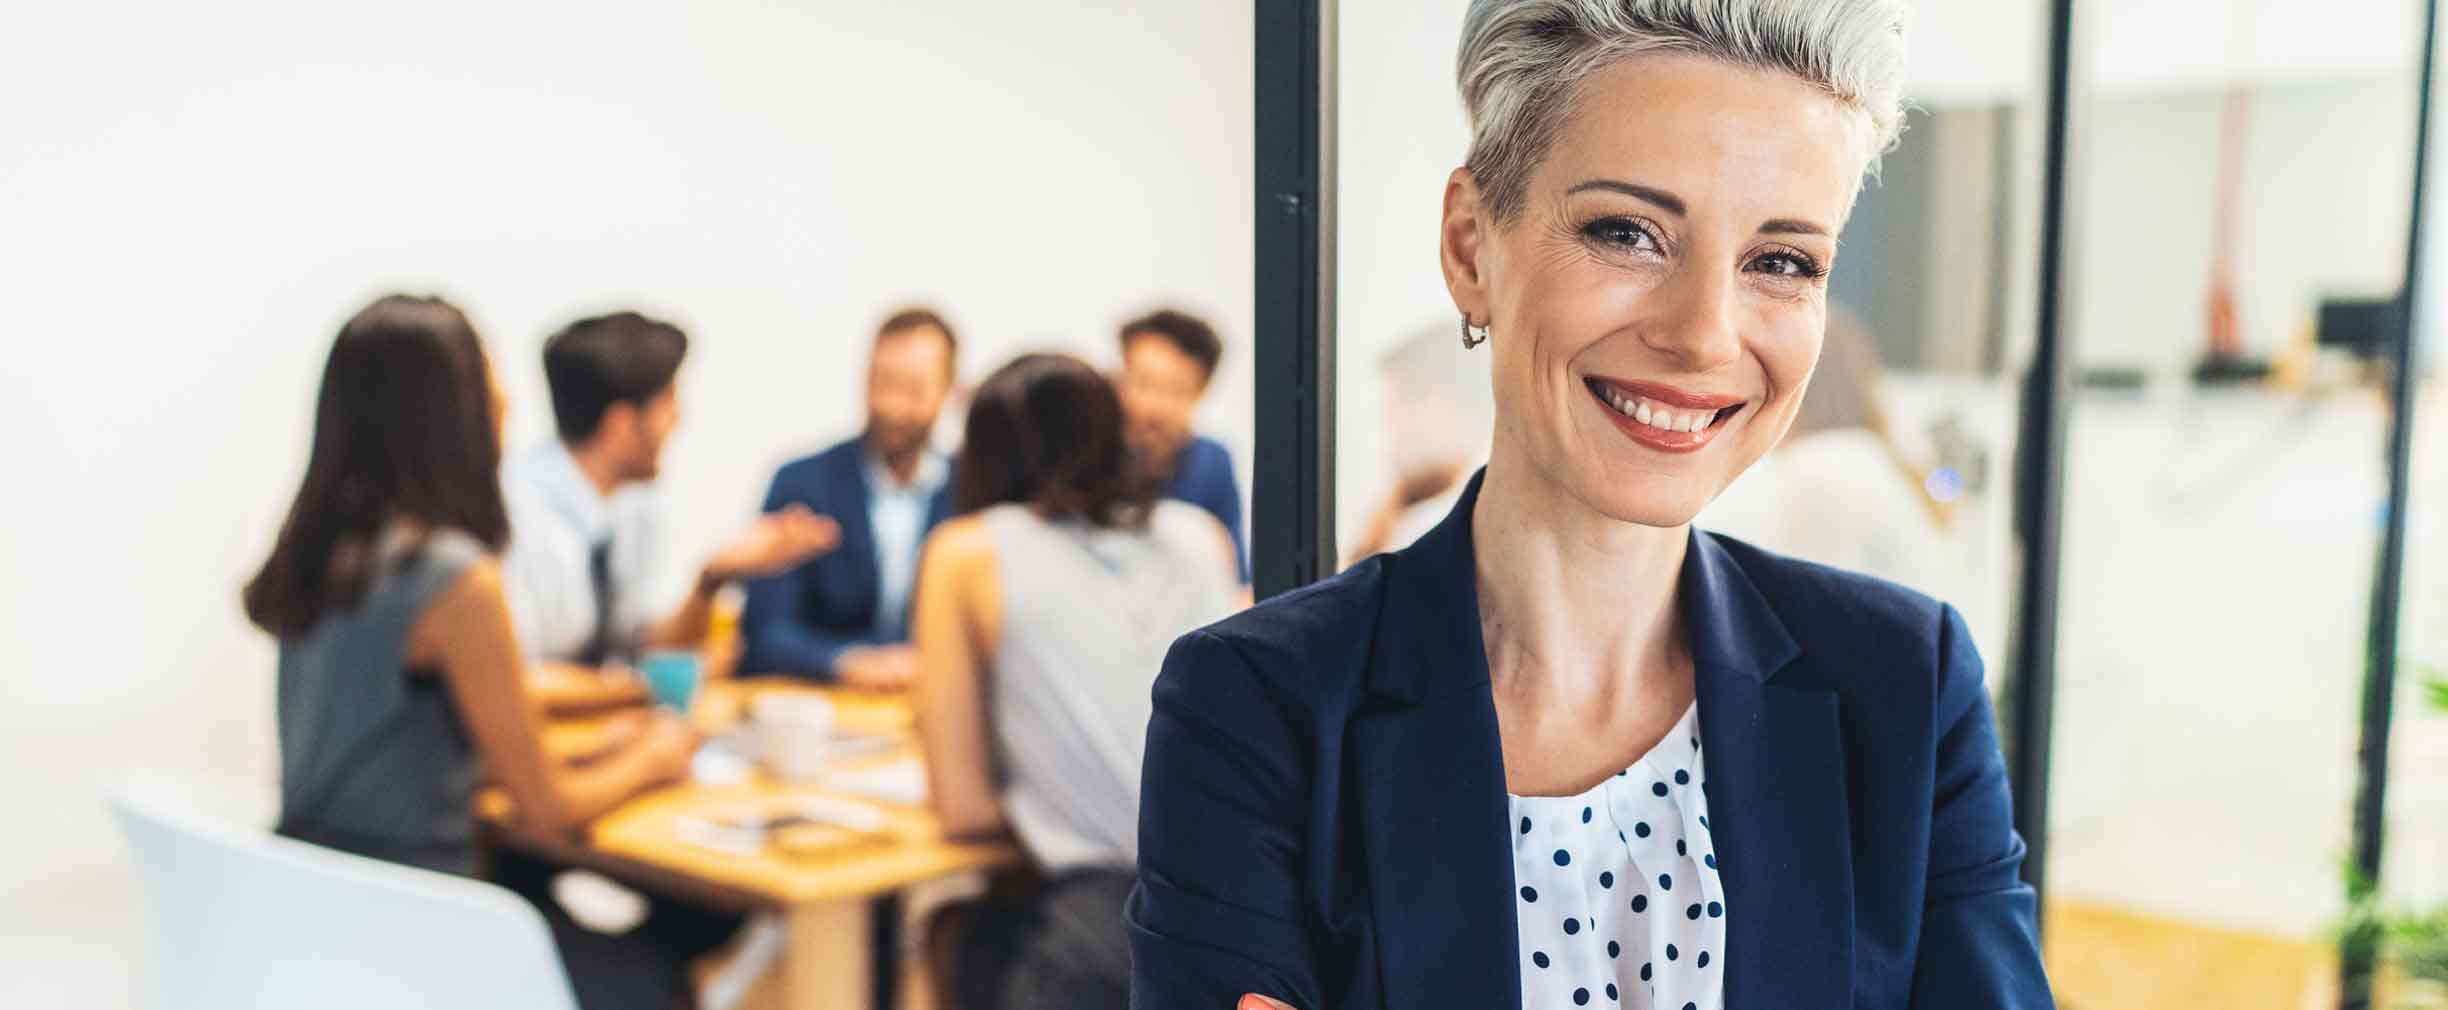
401 682
1043 613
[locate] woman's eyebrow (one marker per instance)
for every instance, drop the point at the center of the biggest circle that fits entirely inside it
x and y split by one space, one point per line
1671 203
1791 226
1674 205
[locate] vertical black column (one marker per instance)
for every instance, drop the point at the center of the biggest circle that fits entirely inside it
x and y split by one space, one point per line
2040 455
2357 948
1292 512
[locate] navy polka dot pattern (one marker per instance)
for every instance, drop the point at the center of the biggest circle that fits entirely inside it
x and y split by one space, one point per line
1576 945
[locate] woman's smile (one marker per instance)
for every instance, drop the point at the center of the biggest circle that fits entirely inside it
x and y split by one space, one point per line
1662 417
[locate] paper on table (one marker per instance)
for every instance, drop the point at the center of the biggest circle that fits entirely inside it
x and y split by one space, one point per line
902 782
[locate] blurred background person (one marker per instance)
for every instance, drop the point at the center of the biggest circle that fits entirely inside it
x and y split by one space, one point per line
1043 615
1437 413
1168 359
844 616
1842 489
400 674
586 525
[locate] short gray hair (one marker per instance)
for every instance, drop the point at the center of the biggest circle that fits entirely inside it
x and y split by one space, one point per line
1522 62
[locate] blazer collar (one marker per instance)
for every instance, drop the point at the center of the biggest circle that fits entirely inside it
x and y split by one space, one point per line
1434 586
1440 866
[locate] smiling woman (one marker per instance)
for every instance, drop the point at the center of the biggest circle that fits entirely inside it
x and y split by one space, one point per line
1565 749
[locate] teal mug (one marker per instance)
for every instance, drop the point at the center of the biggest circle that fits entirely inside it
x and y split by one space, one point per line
672 676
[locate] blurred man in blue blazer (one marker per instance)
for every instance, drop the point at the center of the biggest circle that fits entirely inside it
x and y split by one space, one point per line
844 617
1168 358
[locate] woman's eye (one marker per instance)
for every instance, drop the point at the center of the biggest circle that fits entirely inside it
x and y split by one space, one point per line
1622 232
1786 265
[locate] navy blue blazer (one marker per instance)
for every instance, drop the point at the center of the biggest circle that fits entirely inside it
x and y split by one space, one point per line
798 621
1323 814
1203 476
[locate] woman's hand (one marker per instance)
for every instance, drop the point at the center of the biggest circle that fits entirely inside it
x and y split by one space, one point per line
1253 1001
672 747
615 734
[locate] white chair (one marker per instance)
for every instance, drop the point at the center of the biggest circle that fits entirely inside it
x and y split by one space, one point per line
244 918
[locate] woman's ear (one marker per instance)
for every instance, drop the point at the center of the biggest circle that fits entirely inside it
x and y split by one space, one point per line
1461 239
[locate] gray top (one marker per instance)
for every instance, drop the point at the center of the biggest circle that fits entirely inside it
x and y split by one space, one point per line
1087 616
374 758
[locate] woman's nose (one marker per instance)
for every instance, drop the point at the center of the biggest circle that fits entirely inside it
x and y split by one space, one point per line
1694 318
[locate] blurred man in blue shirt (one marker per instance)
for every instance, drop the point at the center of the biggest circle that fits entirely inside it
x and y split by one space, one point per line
1168 357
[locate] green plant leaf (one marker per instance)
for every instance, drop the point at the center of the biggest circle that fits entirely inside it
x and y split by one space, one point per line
2435 682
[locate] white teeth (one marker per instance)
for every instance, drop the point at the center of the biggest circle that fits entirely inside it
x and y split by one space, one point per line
1657 415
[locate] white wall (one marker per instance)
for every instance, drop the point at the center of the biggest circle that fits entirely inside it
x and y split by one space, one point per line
2325 175
1400 132
193 197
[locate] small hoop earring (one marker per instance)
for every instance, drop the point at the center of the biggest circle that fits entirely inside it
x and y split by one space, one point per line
1472 336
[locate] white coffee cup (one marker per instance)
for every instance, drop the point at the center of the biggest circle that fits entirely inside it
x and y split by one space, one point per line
796 733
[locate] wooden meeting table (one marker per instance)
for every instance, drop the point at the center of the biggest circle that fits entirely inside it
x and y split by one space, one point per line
824 887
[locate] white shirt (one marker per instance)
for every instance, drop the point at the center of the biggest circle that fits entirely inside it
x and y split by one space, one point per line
1619 901
897 513
556 518
1088 616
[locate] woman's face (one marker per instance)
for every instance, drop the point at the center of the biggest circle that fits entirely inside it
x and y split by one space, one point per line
1656 306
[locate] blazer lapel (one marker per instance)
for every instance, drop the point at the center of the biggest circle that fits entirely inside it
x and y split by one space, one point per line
1428 768
1776 796
1428 771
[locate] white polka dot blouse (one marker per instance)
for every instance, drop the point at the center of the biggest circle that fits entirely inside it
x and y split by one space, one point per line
1619 900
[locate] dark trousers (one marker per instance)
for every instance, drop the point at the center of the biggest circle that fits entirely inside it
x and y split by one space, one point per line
646 968
1056 945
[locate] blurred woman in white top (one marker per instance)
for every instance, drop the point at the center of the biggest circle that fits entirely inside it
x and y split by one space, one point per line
1042 616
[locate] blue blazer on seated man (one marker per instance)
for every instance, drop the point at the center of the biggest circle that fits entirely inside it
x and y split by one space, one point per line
800 622
1324 815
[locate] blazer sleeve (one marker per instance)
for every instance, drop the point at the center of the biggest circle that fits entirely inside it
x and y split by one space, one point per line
776 634
1218 909
1979 940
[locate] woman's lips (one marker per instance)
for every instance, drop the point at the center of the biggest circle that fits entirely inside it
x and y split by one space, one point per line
1661 417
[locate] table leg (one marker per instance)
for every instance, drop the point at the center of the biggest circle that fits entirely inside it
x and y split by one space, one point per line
887 952
831 964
